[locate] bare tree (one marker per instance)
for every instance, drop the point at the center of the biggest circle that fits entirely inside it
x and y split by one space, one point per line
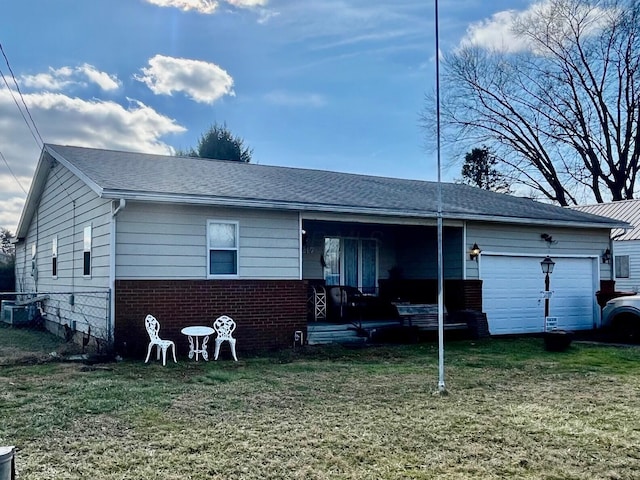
563 114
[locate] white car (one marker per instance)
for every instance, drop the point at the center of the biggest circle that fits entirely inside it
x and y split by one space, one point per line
621 317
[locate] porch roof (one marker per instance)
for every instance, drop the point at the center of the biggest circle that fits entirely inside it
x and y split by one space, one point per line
142 176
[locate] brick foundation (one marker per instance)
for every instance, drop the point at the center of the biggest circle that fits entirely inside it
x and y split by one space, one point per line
267 312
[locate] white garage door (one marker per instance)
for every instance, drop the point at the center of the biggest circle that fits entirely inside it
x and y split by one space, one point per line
512 298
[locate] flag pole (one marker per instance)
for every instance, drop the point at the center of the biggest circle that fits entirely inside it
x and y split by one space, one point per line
441 383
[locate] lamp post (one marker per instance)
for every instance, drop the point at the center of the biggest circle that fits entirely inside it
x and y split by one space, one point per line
547 268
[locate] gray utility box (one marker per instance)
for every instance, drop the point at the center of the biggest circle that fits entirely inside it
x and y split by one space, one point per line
14 314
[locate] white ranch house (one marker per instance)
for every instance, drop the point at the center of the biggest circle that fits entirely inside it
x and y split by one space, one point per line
190 239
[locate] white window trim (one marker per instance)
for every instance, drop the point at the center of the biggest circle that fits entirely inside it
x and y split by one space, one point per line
236 225
84 250
54 257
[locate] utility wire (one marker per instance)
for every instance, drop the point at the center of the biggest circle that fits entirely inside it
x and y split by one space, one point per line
41 143
20 110
12 174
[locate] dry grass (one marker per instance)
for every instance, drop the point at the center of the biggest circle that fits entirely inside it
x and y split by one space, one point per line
513 410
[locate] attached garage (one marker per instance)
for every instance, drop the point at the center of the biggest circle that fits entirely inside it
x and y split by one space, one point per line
513 293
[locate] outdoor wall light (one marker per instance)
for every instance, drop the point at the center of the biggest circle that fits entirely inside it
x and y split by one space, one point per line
474 252
606 256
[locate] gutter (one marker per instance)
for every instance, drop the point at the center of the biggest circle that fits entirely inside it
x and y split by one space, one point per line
343 209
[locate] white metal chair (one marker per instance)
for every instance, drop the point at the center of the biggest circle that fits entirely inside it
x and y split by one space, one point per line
153 326
224 327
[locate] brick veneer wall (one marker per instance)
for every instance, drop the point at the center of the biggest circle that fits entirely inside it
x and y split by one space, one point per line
267 312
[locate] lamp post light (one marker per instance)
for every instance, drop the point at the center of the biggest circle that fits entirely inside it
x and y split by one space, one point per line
547 268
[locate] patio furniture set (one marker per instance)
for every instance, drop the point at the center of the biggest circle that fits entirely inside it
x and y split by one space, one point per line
223 326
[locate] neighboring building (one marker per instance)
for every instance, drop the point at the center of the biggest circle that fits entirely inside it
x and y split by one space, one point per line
625 242
189 239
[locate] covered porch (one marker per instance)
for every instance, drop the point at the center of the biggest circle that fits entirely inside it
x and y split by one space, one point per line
362 276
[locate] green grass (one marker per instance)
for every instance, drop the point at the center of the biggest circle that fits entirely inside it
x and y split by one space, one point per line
513 410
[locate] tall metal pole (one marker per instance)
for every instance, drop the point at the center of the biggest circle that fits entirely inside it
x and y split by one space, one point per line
441 384
546 297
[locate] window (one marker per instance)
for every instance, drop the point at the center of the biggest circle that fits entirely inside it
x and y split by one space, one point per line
34 266
222 241
54 257
622 266
86 256
351 262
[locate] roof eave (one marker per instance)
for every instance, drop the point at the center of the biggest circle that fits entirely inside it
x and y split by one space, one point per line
342 209
35 190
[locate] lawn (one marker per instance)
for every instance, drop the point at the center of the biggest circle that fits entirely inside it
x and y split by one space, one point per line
513 410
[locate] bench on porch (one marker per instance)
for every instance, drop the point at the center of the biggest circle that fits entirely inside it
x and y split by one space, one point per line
425 317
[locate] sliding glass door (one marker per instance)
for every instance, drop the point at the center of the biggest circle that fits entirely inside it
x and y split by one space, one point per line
352 262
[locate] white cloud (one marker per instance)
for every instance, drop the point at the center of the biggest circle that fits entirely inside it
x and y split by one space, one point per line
103 80
202 81
247 3
200 6
206 7
73 121
57 79
497 32
289 99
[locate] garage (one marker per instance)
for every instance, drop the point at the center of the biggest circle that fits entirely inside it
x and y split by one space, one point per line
512 289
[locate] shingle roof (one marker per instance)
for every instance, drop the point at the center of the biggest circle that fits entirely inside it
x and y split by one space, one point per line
115 174
624 210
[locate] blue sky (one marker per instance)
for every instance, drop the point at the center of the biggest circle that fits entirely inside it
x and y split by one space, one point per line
324 84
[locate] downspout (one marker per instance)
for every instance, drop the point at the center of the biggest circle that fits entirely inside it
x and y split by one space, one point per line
300 245
112 270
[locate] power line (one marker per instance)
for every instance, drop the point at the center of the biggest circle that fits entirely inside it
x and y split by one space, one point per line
12 174
31 126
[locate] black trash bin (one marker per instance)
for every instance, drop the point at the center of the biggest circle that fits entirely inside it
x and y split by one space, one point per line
557 340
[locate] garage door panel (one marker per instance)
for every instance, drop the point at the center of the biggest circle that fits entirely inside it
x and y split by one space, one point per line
512 293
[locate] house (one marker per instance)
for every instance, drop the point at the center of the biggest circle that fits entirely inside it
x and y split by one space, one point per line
188 239
625 242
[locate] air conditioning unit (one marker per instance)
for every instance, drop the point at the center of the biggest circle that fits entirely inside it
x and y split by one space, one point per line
14 314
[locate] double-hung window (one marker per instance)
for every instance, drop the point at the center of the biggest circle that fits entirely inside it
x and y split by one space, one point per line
622 266
86 253
54 257
222 245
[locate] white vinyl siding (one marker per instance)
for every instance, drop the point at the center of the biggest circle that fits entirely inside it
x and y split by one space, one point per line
54 218
525 240
160 241
631 249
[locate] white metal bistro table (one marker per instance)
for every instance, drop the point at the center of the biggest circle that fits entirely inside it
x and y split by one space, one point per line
195 347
